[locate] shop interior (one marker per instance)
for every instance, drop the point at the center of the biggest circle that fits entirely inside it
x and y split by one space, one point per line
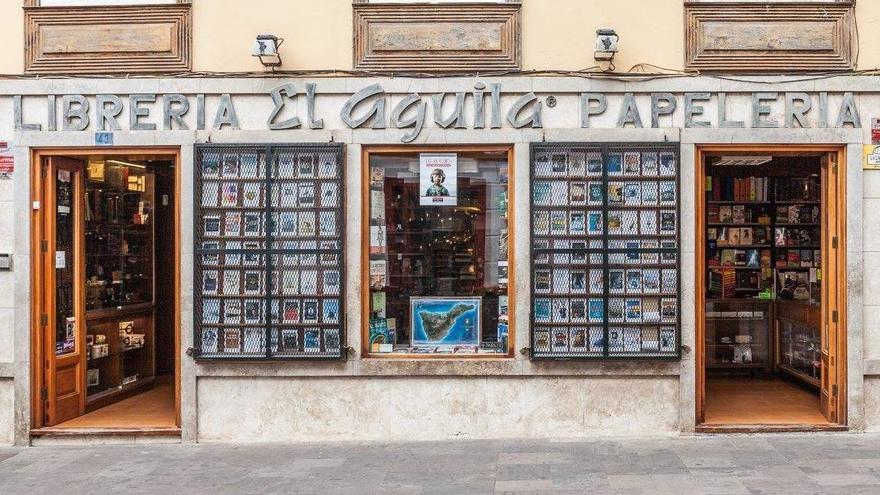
111 332
763 289
438 253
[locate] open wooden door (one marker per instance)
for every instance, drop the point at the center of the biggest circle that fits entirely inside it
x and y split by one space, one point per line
62 316
833 285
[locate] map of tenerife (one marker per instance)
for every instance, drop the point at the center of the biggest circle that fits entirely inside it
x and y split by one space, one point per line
437 326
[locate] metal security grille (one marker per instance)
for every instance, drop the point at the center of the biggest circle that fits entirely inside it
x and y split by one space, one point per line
605 251
269 266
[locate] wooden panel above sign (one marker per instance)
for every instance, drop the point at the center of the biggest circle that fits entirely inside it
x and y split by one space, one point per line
785 37
108 40
437 38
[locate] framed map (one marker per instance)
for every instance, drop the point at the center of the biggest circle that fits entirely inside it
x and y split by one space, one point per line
445 321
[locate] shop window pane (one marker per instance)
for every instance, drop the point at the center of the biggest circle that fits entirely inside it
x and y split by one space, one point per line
605 264
268 242
438 253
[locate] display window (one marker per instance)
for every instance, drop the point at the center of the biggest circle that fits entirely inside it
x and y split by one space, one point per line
437 267
605 252
269 262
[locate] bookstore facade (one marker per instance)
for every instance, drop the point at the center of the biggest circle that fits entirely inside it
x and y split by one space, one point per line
352 259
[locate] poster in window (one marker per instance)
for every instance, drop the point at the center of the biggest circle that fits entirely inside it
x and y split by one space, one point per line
445 321
438 179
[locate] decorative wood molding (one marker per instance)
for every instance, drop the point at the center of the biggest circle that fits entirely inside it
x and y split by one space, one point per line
108 40
437 37
36 3
766 37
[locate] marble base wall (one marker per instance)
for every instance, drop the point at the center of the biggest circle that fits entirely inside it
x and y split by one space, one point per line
433 408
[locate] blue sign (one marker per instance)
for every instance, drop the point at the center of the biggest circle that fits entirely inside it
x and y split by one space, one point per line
103 139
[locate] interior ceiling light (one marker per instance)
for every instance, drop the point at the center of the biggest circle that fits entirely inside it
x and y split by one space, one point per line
743 161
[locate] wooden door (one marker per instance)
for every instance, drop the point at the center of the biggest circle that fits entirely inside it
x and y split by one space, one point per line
833 283
62 314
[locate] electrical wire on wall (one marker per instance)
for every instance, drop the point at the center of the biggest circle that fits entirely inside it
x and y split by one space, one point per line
643 71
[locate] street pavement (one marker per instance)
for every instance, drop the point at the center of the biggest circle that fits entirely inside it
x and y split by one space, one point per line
717 465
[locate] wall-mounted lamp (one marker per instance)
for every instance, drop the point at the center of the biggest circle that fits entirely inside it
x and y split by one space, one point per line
606 44
266 48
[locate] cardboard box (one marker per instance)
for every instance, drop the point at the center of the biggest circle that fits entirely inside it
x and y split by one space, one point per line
99 351
132 340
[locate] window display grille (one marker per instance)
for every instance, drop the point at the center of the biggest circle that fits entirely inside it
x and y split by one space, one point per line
605 251
269 265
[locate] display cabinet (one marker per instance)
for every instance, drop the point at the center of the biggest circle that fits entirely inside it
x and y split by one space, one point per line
800 347
119 268
738 334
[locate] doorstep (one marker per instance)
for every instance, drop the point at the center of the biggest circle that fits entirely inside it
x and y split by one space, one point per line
83 436
768 428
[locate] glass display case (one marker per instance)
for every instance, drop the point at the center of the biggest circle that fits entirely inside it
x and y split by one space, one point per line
800 351
119 266
738 334
119 236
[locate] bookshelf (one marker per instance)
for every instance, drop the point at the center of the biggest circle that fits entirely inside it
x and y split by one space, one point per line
763 245
119 269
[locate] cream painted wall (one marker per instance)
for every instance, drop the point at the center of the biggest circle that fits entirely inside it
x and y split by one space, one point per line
868 19
317 34
12 37
561 34
557 34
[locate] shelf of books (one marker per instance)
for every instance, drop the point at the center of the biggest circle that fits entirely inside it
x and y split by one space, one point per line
763 247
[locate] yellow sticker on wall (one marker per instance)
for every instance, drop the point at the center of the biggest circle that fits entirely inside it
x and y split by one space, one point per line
872 157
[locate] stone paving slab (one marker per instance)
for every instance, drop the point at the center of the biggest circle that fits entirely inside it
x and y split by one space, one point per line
712 465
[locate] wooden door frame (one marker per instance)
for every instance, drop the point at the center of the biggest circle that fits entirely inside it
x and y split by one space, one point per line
700 261
37 343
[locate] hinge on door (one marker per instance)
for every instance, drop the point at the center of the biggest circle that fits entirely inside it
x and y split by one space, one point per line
44 319
44 245
834 316
834 242
44 394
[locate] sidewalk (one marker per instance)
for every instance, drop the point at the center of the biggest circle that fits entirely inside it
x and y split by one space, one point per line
784 464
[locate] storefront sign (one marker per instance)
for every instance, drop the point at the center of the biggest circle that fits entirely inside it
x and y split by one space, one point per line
875 131
479 107
438 179
7 161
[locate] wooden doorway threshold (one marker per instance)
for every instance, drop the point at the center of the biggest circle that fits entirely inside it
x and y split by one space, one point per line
104 432
748 428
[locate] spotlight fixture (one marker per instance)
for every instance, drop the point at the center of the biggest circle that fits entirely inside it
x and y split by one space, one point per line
606 44
266 49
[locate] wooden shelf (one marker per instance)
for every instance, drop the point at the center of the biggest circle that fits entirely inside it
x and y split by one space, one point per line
115 394
737 365
737 267
742 246
741 224
800 375
119 311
